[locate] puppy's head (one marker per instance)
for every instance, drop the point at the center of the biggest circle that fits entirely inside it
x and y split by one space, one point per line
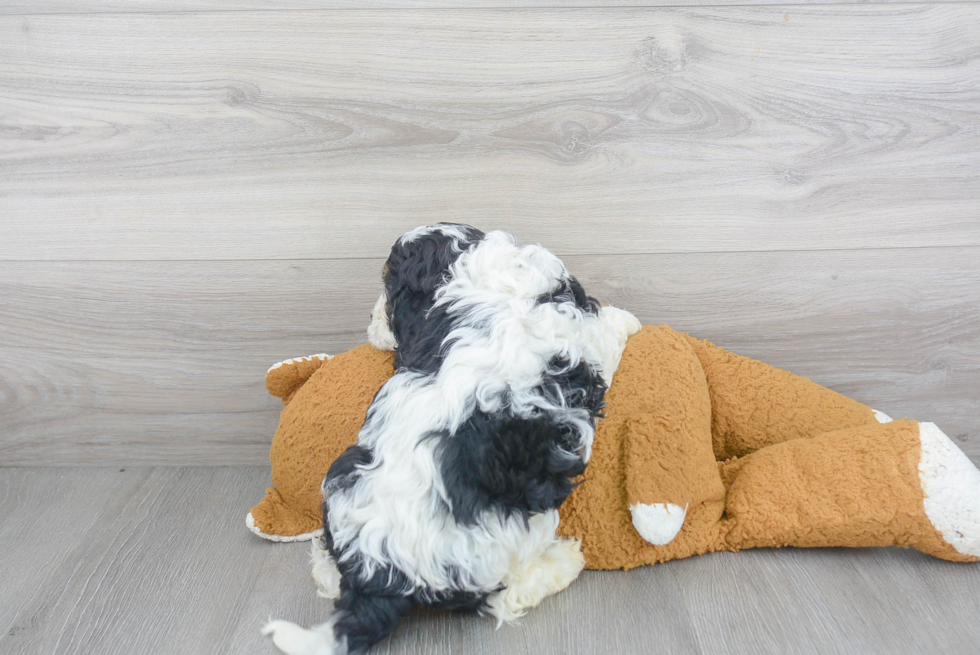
418 265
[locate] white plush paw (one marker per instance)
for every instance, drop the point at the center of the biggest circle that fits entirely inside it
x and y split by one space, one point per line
294 640
325 573
254 529
658 523
951 490
882 417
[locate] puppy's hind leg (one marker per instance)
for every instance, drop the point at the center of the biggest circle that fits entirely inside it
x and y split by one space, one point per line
325 572
544 575
359 621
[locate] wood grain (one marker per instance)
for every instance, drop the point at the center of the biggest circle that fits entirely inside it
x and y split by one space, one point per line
28 7
164 362
285 135
43 513
159 560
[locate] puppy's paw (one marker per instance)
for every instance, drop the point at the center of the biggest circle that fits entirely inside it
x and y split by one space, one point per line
547 574
325 573
294 640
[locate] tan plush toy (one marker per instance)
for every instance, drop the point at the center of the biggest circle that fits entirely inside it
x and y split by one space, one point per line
700 450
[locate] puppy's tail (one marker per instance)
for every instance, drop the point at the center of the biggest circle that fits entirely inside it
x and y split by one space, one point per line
360 621
294 640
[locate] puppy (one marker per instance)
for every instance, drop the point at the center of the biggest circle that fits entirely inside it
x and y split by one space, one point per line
449 499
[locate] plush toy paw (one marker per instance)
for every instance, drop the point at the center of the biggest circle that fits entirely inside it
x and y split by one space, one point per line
659 523
254 529
951 490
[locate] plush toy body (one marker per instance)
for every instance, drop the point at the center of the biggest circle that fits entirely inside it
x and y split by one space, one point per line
700 450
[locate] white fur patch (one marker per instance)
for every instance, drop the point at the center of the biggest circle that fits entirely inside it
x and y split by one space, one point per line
325 573
250 522
658 523
294 640
951 486
379 332
543 576
297 360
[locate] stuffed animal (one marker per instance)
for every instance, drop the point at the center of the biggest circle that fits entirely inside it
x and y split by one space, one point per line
700 450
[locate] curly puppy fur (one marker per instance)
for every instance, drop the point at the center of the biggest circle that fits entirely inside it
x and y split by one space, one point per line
449 499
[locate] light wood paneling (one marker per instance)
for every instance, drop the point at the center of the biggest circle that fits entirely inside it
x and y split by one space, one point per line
159 560
283 135
26 7
163 362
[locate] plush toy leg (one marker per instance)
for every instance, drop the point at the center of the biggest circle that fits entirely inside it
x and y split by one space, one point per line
755 405
672 479
671 474
900 483
274 519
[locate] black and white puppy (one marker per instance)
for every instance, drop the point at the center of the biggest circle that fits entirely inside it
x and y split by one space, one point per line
450 497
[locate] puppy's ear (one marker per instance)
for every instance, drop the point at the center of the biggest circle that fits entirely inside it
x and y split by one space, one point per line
419 266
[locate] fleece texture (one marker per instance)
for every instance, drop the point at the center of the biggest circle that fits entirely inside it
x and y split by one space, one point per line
325 404
752 455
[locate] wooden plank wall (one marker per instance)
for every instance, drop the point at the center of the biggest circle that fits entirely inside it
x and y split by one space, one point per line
188 196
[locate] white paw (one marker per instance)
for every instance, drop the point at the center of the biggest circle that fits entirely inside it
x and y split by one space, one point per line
294 640
951 490
547 574
658 523
325 573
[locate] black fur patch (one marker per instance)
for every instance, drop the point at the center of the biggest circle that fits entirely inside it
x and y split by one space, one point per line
571 290
413 272
370 607
342 473
517 465
426 350
364 619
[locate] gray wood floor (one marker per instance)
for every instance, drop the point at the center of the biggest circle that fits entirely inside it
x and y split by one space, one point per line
157 560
